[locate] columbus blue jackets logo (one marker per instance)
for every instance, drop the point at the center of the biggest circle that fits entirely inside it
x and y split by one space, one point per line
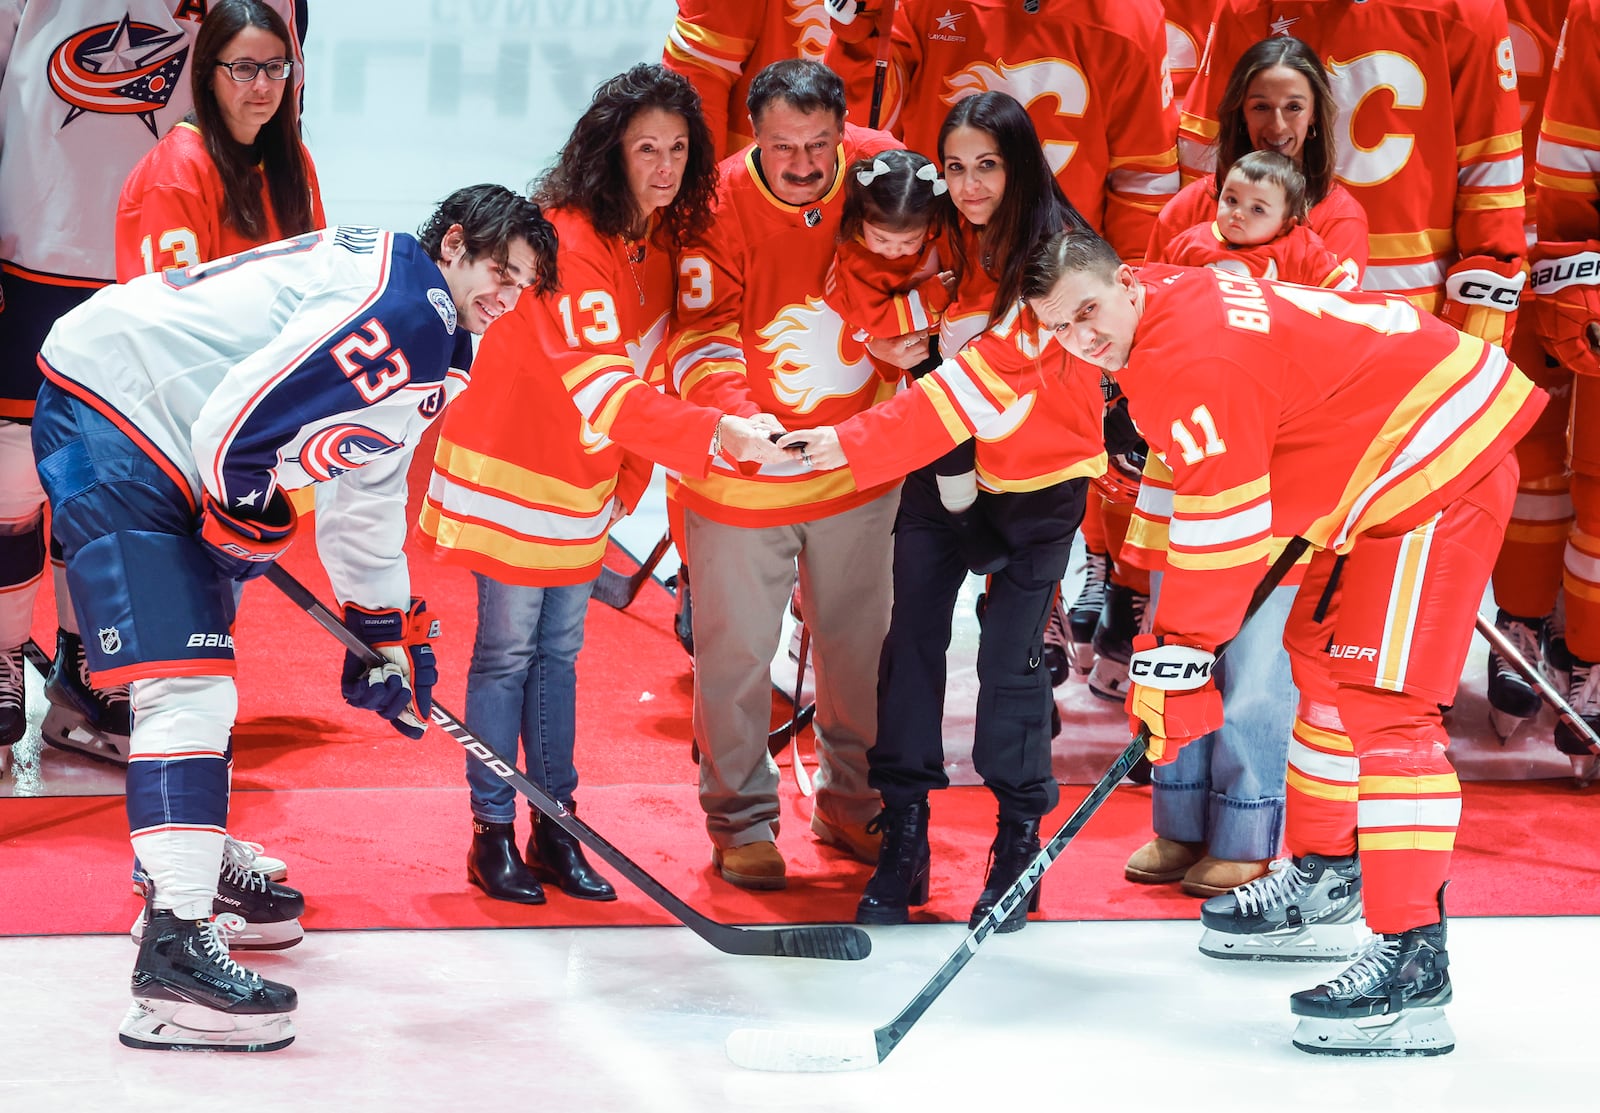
446 308
331 452
118 69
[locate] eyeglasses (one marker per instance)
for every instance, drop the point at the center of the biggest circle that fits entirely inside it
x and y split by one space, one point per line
278 69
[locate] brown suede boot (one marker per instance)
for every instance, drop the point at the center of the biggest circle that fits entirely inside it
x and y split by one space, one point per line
756 865
1161 861
1211 877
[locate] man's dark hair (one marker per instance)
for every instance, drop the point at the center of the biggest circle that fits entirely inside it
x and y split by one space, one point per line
1069 252
491 217
802 84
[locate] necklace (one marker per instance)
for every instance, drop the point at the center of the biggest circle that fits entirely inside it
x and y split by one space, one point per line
634 252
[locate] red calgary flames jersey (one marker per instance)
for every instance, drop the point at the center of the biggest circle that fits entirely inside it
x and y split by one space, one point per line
719 45
756 335
1429 141
1297 256
1237 383
1091 73
1337 219
883 298
1535 25
171 210
1569 139
1187 24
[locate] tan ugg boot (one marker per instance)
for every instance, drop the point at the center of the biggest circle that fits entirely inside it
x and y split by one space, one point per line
1160 861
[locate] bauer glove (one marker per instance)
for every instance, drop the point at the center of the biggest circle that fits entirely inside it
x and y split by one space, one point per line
1481 295
401 689
1566 303
244 546
1172 694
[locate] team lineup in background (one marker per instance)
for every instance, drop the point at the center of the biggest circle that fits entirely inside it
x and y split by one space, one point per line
1289 310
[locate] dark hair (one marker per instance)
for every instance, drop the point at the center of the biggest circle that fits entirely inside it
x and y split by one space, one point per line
1233 137
897 198
802 84
282 160
491 216
1077 249
588 174
1031 209
1280 170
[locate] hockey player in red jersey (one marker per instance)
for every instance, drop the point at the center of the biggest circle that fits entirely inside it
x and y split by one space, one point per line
1236 382
1566 317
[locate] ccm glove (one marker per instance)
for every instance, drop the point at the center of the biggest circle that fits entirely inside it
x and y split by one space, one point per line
1481 295
1173 694
1566 303
244 546
844 11
401 689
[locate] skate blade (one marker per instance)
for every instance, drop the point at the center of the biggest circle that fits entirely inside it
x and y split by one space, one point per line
254 937
1319 943
1504 723
66 729
1080 658
1585 768
156 1025
1109 681
1410 1032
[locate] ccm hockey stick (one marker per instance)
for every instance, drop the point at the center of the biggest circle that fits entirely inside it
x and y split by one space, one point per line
1533 675
616 590
827 941
799 1050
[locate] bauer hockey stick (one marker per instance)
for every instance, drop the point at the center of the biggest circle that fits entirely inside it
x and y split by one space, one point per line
827 941
616 590
1533 675
779 1050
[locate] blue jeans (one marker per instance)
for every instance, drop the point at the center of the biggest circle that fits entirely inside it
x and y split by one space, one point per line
1226 789
523 681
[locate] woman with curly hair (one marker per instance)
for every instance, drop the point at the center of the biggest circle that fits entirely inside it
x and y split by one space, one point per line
553 443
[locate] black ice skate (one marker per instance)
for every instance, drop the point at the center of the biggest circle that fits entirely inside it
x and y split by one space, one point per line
269 912
1058 643
83 718
1583 693
1512 700
1304 910
188 995
1120 620
1084 615
1390 1003
13 704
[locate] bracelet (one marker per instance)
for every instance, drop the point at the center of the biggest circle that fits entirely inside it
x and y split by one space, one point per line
716 438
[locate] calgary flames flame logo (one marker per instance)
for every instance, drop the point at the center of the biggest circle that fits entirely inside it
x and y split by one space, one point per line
811 18
810 357
118 69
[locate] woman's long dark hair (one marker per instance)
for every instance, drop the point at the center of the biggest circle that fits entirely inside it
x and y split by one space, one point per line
281 158
1032 208
1233 137
588 174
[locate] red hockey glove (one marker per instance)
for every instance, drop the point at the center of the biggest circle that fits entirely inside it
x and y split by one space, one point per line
1481 295
401 689
1566 304
242 546
1172 694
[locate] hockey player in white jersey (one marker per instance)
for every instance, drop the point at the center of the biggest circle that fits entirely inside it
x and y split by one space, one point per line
177 411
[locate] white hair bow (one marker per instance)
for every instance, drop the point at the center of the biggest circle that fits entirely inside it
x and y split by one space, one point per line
867 177
928 172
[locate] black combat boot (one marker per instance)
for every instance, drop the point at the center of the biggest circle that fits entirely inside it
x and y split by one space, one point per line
556 857
901 879
1016 843
494 865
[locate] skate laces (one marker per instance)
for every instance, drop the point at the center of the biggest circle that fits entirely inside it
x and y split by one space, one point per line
1525 639
11 680
238 866
1584 693
1368 971
216 933
1092 596
1283 883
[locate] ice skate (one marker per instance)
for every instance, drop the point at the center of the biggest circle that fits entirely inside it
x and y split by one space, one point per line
1084 615
1390 1003
253 856
1304 910
188 995
1512 700
269 913
1553 649
13 705
81 717
1122 617
1058 644
1583 693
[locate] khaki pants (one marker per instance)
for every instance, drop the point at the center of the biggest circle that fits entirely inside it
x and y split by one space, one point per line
742 578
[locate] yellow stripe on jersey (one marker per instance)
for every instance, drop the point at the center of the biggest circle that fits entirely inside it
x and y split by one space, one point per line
517 483
1093 466
946 407
1585 186
1428 243
1555 129
992 383
1222 501
1229 558
1477 202
1488 148
1339 794
1443 841
732 490
1439 784
516 552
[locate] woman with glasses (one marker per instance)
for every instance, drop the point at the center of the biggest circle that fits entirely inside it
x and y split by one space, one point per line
233 174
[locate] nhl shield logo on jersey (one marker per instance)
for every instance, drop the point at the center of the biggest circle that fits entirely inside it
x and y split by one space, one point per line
440 300
110 640
331 452
118 69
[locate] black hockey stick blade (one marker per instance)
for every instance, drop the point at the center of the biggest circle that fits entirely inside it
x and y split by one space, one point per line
812 1051
841 942
616 590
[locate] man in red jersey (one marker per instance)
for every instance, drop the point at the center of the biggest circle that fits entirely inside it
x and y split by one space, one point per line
1236 382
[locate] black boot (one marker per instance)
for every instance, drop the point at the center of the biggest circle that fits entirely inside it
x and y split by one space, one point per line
901 879
494 865
1016 843
557 857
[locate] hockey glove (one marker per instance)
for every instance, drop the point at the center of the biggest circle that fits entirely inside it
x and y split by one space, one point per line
1173 694
1566 304
244 547
401 689
1481 294
844 11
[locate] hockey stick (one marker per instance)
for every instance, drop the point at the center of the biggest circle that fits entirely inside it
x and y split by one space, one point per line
776 1050
880 64
616 590
802 779
828 941
1502 645
37 657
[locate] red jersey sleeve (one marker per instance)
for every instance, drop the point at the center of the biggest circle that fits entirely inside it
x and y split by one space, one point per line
1567 173
710 43
884 298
